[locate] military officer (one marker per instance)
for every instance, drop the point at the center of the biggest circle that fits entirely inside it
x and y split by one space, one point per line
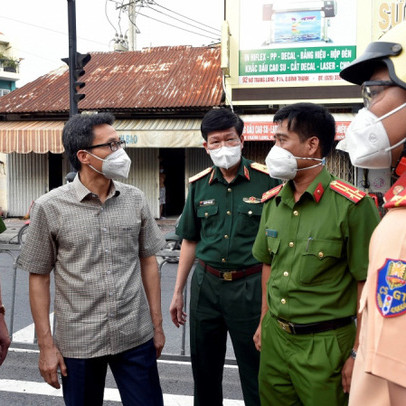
313 241
218 227
380 368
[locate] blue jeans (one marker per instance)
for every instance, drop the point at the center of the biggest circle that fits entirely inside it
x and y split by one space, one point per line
135 372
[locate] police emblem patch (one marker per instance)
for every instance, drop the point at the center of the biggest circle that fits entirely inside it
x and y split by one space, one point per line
391 288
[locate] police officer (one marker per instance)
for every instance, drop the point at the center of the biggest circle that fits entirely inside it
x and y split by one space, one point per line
314 235
376 139
218 226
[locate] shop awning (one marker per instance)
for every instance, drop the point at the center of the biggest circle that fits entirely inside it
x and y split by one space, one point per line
40 137
31 136
160 133
260 127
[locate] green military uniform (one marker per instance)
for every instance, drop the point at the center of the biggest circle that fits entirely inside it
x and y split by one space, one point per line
2 225
318 250
223 218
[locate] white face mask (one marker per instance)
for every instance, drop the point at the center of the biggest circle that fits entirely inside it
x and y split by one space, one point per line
115 165
367 142
282 164
225 157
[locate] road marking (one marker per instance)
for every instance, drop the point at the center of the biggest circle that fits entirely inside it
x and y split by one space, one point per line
27 334
41 388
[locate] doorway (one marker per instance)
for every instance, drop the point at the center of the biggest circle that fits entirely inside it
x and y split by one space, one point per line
55 170
172 165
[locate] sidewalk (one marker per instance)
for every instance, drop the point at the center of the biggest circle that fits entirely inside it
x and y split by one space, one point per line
13 226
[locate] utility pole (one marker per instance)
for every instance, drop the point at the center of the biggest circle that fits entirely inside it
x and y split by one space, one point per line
132 28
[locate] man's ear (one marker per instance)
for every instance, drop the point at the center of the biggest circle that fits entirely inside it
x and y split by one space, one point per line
314 147
83 156
205 147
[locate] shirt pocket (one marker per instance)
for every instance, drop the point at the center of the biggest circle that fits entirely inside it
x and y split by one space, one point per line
273 245
318 257
249 216
208 216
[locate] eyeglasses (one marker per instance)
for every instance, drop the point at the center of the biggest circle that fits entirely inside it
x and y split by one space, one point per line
372 89
114 145
216 144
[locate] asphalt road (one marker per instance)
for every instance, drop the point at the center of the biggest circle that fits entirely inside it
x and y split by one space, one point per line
21 384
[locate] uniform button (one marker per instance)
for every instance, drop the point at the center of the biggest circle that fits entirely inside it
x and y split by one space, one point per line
226 237
286 273
228 212
321 254
206 214
110 293
229 189
106 251
105 229
291 244
295 213
223 260
250 213
283 301
108 272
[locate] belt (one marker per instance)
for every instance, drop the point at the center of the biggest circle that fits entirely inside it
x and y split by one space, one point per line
231 274
312 328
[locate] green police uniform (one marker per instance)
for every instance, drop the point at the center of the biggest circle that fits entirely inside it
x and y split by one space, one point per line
318 250
223 218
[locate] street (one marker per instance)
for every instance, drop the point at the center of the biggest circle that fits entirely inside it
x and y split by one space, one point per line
21 383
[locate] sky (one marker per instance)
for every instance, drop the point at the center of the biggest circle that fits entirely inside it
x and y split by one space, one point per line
38 30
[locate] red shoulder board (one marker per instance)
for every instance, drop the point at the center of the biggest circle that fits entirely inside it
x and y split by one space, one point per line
259 167
271 193
347 190
200 175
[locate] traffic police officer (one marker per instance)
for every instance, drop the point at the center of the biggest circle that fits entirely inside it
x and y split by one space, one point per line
380 368
218 226
314 235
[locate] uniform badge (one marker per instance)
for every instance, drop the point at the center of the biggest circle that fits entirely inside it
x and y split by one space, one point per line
391 288
210 202
251 200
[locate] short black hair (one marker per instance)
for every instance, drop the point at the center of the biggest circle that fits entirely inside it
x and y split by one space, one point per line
78 134
308 120
219 119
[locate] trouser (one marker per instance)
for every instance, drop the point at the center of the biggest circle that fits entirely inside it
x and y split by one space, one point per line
303 369
218 306
135 372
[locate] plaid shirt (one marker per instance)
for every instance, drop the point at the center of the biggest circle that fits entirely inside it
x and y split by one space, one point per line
94 248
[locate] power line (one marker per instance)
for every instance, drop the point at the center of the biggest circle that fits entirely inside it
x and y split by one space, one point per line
48 29
183 22
191 19
180 28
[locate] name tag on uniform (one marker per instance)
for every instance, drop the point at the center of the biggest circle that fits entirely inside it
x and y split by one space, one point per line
271 233
210 202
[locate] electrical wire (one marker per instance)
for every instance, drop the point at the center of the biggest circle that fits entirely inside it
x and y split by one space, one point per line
105 12
183 22
180 28
191 19
49 29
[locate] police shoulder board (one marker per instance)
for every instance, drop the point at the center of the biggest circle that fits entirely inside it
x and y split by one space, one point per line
200 175
271 193
259 167
347 190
